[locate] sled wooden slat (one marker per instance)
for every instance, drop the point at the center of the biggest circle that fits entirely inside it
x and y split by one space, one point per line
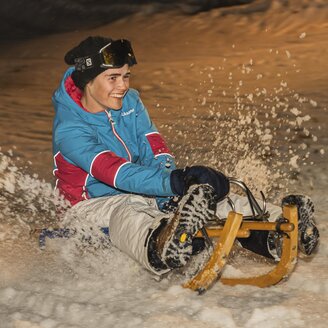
246 227
218 232
249 225
288 258
212 270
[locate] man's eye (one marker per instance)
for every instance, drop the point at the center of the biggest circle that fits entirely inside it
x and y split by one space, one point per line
113 78
127 76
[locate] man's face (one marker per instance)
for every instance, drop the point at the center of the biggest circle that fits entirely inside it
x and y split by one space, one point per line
107 89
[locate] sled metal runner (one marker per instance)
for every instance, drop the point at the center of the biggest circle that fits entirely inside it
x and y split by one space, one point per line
236 226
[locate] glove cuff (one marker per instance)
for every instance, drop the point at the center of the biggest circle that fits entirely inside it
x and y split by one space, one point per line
177 181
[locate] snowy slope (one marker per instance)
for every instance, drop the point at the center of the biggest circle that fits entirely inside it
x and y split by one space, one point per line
70 286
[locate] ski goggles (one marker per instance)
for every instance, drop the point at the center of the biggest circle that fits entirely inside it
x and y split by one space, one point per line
113 55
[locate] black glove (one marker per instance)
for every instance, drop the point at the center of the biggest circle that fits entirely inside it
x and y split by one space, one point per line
182 179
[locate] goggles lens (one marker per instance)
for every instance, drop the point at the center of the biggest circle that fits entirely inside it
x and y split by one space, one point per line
117 53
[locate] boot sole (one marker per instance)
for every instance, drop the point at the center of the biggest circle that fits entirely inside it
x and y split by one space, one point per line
195 210
308 232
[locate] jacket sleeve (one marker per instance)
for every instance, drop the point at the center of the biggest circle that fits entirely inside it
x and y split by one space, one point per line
80 146
152 147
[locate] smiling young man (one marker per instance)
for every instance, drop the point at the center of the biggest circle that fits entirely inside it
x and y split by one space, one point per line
115 169
107 90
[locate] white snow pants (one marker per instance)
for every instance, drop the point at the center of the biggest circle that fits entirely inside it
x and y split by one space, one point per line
131 218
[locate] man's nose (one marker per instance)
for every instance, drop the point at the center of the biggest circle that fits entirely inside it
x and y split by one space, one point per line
122 83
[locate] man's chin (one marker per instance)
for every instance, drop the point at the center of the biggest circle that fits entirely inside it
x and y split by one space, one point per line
116 105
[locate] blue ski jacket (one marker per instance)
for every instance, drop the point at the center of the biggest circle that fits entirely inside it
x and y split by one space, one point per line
107 153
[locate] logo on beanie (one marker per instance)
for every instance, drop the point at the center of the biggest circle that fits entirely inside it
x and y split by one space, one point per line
83 63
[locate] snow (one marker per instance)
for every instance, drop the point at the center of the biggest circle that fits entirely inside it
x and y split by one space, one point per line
313 103
70 284
302 35
268 317
293 161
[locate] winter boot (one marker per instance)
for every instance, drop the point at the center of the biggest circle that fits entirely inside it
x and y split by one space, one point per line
265 243
172 242
269 243
308 234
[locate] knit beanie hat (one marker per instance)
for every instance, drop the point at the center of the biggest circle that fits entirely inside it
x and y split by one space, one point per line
88 47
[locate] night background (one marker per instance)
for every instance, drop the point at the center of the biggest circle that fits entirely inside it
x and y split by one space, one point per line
21 19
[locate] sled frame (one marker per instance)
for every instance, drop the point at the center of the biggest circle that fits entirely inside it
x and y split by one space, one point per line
235 227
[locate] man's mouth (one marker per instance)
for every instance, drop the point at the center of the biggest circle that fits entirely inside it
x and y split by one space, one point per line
118 95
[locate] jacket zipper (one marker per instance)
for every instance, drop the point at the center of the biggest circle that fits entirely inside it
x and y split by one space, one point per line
117 135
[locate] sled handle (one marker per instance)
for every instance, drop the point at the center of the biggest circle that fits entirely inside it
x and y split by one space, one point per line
255 207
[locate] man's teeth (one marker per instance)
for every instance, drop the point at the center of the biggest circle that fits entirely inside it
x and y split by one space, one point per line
117 95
